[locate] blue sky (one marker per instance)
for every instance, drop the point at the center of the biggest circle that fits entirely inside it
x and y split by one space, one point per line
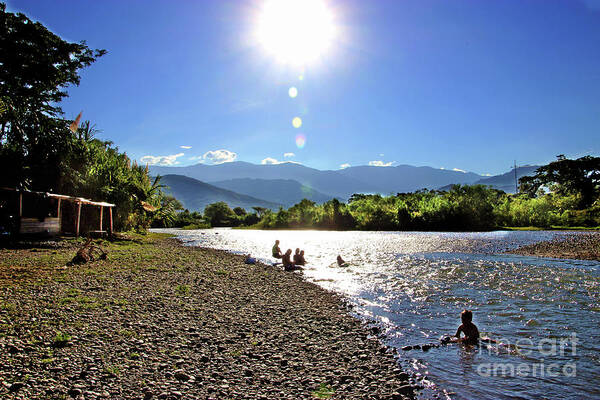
460 84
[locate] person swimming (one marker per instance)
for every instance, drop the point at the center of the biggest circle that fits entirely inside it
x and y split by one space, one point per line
341 262
468 328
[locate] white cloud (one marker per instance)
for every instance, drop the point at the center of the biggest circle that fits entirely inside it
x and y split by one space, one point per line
379 163
381 155
161 160
285 155
186 147
219 156
215 157
459 170
270 161
346 165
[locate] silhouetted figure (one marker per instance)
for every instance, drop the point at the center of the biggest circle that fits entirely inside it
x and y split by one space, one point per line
468 328
276 250
299 257
288 265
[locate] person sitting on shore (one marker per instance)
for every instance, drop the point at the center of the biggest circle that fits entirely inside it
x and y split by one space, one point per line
288 265
468 328
302 259
276 250
298 259
341 262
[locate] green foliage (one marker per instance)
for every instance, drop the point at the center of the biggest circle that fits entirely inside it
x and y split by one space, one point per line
567 177
325 391
462 208
39 151
36 67
219 214
182 290
97 170
61 339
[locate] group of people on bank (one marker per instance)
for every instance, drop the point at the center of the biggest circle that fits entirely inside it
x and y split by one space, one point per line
286 258
296 263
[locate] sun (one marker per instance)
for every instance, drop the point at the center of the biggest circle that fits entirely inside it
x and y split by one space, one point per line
296 32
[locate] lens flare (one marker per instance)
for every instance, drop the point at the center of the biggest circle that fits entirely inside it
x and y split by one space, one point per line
293 92
297 122
300 140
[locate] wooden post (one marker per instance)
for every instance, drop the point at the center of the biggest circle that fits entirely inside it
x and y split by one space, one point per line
101 212
111 222
78 219
20 204
60 229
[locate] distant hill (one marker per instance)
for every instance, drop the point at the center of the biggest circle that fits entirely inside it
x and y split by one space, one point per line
407 178
506 181
285 191
331 182
341 183
195 195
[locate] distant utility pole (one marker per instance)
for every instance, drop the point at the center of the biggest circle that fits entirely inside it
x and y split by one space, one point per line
516 182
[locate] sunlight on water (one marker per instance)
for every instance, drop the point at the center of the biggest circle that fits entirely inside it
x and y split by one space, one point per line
415 285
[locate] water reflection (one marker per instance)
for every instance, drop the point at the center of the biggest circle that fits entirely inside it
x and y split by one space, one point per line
416 284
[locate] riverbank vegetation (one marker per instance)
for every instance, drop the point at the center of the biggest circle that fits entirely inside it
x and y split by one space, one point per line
562 194
41 150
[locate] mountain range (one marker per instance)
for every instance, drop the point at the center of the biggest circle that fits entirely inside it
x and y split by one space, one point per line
195 195
246 185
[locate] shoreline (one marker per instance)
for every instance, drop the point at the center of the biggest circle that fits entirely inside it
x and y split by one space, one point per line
583 246
161 320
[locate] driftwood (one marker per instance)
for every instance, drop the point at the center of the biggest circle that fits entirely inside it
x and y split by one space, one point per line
87 253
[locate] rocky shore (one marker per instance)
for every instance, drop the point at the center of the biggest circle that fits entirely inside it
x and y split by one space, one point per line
581 246
157 320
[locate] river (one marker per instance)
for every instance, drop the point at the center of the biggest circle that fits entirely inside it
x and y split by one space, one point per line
544 313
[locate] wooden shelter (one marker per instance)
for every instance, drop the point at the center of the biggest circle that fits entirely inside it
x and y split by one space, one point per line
42 213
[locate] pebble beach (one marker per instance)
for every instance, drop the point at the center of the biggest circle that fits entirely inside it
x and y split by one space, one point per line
582 246
160 320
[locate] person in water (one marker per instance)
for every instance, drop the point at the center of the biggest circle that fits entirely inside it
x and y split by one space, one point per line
299 257
468 328
276 250
341 262
288 265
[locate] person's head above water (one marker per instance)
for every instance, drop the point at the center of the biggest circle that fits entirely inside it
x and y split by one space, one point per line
297 251
289 251
466 316
302 252
277 242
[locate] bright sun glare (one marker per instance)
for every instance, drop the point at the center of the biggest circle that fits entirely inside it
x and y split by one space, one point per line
295 32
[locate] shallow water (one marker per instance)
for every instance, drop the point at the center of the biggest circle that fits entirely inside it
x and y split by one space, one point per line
414 284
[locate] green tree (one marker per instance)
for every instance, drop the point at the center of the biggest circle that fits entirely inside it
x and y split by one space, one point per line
36 67
566 177
219 214
239 211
